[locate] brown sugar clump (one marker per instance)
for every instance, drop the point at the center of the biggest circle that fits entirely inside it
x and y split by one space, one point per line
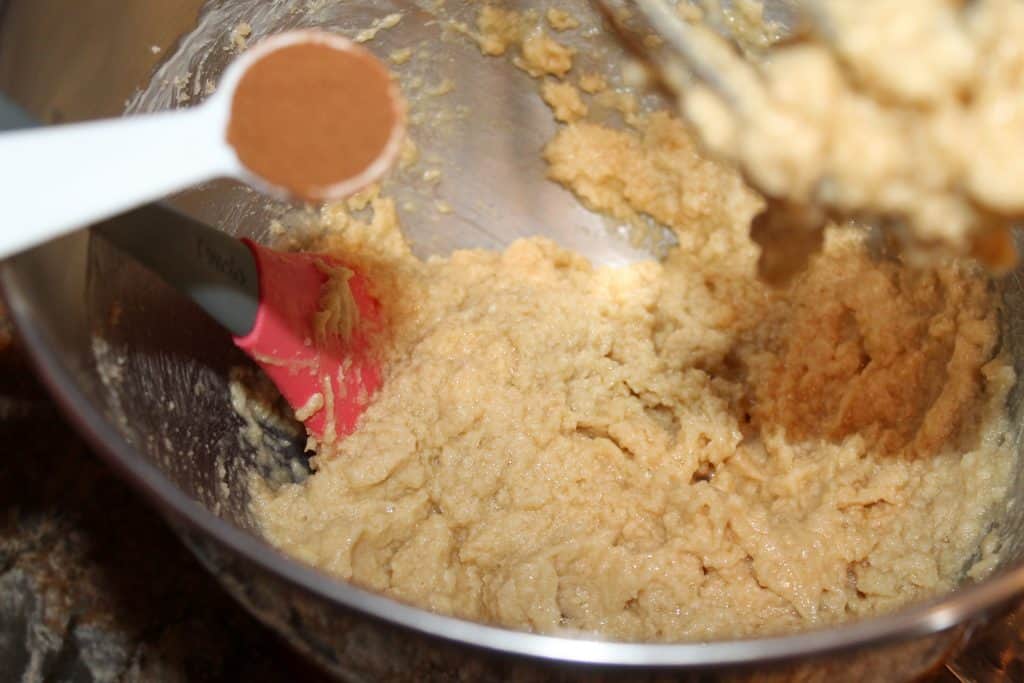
309 116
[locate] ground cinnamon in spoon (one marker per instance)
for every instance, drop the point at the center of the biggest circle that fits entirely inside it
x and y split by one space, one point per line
309 116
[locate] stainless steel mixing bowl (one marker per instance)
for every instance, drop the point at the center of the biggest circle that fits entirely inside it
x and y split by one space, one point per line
144 375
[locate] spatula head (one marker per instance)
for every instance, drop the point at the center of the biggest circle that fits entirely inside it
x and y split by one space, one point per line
313 337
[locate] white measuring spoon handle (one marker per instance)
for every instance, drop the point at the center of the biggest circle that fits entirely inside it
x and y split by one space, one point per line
55 179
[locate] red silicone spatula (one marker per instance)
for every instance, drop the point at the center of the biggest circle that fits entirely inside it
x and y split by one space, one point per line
323 364
278 307
306 319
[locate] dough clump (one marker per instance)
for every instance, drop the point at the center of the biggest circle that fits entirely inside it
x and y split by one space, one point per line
903 112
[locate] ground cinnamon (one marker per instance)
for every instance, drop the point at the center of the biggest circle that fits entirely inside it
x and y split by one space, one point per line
309 116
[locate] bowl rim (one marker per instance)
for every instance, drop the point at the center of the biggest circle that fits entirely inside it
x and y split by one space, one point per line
918 620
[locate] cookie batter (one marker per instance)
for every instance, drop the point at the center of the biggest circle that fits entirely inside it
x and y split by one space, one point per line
900 110
667 451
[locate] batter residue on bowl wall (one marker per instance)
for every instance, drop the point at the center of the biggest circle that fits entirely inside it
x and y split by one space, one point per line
665 451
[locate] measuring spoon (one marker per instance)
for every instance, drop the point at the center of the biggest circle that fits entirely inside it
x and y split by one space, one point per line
58 178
